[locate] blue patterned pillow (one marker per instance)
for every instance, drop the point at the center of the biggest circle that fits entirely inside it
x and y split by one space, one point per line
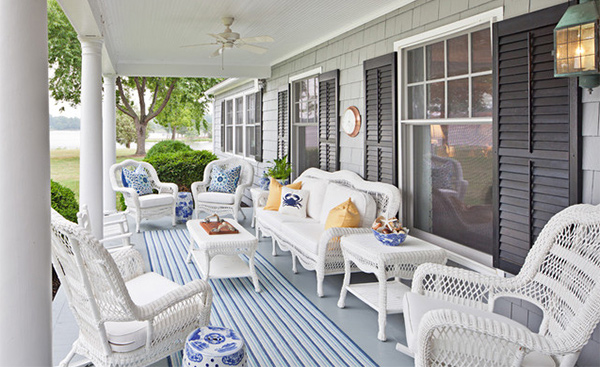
138 180
224 180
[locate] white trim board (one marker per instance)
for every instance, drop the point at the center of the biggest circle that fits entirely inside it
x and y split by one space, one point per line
305 74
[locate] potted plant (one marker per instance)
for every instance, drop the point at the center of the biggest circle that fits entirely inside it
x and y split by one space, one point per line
281 171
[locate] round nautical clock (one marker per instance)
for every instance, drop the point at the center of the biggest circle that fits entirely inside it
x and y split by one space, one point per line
351 121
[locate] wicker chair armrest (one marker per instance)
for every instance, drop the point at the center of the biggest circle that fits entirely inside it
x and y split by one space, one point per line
130 193
331 238
199 187
467 333
185 293
460 286
239 191
129 262
167 188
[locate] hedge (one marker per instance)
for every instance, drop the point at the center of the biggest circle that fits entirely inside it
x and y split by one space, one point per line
182 168
63 201
168 146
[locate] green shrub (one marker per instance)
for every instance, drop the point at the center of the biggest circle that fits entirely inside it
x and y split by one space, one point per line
63 201
121 202
168 146
182 168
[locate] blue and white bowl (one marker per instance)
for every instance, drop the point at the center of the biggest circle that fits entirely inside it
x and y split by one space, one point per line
391 239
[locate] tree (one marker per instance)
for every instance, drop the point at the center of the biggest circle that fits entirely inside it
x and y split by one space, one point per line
64 58
125 130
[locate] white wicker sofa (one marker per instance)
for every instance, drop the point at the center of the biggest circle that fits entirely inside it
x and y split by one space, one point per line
307 240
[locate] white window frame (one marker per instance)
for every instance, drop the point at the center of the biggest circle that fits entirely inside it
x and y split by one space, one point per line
233 98
458 253
314 73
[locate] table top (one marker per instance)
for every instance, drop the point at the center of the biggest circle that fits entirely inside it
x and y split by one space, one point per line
202 238
367 245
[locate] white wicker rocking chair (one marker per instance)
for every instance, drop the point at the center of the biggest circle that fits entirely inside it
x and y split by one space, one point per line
222 203
126 317
561 275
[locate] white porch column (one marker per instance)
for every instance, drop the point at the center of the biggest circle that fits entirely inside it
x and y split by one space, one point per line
109 136
90 162
25 290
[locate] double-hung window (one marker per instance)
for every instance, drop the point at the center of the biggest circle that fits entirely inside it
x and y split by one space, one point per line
229 126
241 124
305 124
251 125
446 130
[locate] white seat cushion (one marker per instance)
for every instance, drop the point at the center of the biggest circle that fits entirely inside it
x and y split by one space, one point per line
317 188
306 234
337 194
152 200
416 305
216 198
131 335
275 220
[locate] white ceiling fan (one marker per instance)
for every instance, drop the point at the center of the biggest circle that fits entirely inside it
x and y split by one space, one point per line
230 39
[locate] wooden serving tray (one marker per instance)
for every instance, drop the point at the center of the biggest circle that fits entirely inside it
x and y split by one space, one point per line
210 228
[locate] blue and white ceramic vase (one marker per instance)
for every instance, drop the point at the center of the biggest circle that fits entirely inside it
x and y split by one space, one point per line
213 346
184 207
265 181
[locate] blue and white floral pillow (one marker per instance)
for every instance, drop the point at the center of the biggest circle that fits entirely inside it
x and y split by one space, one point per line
294 202
137 180
224 180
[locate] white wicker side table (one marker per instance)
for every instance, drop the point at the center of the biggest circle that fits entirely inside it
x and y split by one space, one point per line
386 262
217 256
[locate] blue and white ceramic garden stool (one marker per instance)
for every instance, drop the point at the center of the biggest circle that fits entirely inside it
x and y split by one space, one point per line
213 346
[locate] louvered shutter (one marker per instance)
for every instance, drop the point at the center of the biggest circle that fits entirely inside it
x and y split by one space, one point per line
223 126
283 124
258 126
328 121
381 119
536 132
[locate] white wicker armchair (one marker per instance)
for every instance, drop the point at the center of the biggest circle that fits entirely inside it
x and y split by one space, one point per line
126 317
147 206
560 275
218 202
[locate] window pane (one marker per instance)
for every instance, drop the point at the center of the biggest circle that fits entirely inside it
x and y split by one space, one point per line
228 139
458 55
453 182
306 148
229 112
312 111
416 102
239 112
435 61
414 65
435 101
250 106
481 51
458 98
239 140
250 141
482 96
303 112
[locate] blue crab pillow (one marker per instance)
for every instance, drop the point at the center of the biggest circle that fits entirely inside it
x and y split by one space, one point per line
137 180
224 180
293 202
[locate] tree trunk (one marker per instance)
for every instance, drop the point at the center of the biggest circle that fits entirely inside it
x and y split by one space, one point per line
128 145
173 133
141 138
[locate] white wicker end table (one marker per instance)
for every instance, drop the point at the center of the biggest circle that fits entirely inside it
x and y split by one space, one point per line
386 262
217 256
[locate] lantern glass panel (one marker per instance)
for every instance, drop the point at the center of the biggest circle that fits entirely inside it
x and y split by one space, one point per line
574 33
587 31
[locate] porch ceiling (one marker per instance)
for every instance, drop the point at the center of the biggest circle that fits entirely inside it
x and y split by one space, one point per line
144 37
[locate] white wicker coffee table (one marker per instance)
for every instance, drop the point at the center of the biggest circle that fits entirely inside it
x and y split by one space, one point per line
386 262
217 256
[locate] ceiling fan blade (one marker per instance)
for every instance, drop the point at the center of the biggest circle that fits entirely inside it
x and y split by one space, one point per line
201 44
252 48
217 52
257 39
218 37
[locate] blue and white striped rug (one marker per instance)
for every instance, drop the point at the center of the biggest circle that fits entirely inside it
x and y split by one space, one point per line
280 326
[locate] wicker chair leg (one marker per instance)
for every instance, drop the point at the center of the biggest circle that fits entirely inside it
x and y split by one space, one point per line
138 219
294 264
320 278
65 362
274 243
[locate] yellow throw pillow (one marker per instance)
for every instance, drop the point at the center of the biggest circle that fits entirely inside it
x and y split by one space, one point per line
274 199
344 215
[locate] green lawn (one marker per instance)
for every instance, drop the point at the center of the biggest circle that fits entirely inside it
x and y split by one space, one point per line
64 166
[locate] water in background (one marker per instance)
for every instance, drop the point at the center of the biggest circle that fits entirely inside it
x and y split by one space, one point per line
70 139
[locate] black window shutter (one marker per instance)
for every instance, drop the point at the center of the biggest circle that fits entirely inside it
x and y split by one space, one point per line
381 119
223 126
536 135
328 121
283 124
258 126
